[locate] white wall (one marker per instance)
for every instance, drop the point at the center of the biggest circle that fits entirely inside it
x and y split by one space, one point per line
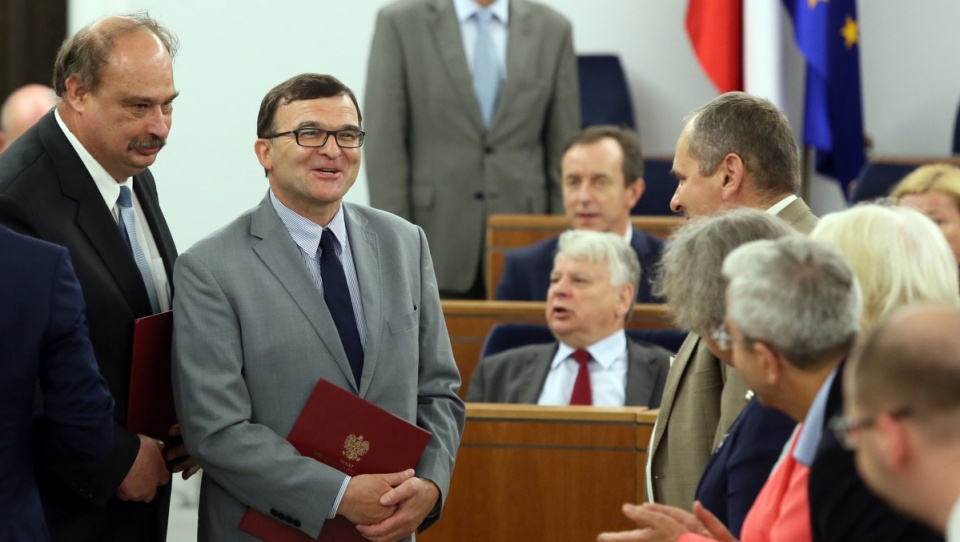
233 52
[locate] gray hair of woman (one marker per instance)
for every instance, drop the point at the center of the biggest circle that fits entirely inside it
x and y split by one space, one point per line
795 294
899 255
689 275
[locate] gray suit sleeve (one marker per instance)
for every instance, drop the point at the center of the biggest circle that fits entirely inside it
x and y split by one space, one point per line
563 118
248 460
386 105
439 410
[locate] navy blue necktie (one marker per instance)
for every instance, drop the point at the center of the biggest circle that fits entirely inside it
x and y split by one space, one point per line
337 296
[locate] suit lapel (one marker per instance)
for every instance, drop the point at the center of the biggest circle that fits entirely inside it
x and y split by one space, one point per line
522 48
641 376
366 258
686 352
279 253
145 187
449 43
93 218
535 370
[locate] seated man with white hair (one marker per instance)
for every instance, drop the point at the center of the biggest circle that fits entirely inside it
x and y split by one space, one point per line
592 290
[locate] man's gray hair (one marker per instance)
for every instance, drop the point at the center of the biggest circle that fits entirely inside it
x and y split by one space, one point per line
599 247
795 294
753 129
689 276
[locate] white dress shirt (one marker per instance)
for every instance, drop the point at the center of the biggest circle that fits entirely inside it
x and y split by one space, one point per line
953 523
608 373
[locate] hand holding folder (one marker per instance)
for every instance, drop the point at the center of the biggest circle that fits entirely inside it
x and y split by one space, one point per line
353 436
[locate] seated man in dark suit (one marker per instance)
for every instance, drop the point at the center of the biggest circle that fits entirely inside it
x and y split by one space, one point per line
602 177
591 293
43 339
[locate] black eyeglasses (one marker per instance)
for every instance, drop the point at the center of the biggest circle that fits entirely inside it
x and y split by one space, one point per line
845 429
317 137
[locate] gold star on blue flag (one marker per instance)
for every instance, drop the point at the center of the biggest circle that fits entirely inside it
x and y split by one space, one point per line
828 35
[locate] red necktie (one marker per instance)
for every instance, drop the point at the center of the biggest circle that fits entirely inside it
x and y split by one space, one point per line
581 386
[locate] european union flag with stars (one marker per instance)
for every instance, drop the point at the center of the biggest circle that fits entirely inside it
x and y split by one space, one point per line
827 34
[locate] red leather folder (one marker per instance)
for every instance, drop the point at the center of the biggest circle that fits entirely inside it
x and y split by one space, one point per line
150 409
353 436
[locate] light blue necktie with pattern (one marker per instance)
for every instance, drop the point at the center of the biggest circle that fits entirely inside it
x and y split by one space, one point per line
486 67
128 229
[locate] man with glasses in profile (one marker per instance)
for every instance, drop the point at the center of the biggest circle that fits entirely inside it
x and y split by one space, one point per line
793 314
902 404
302 287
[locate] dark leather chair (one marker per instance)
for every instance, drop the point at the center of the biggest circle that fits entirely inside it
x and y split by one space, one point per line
506 336
878 177
956 133
660 187
604 92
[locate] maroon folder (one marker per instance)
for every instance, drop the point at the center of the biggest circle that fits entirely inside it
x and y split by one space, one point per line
353 436
150 409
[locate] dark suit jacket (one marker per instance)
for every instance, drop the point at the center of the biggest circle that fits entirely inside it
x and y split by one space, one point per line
526 271
741 464
517 375
842 509
43 337
46 183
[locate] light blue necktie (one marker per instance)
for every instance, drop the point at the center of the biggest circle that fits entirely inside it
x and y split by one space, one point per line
486 67
128 230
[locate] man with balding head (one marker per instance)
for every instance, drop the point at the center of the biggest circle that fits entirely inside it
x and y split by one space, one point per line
21 110
79 178
735 151
902 414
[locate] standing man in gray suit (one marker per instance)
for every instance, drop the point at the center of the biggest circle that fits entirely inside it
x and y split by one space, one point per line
470 103
591 293
303 287
735 151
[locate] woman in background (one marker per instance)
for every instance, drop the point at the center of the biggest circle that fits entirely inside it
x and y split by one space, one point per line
934 190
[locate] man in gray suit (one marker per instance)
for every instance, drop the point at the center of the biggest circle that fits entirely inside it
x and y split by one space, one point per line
299 288
735 151
470 103
591 293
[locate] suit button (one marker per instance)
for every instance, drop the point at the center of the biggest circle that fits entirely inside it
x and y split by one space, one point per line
488 150
274 513
296 523
478 196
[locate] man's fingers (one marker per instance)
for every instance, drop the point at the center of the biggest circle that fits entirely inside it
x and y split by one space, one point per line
712 524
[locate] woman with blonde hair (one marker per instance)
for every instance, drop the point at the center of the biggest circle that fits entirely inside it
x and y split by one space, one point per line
934 190
897 254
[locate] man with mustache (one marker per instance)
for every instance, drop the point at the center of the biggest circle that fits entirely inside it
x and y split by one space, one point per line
79 178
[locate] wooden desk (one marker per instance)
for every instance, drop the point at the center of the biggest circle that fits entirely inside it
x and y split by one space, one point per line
469 323
529 473
507 232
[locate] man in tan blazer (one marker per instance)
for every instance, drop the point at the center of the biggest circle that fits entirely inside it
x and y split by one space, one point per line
736 151
440 159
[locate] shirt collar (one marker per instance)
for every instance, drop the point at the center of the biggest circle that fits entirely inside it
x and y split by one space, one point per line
305 232
604 351
466 9
108 186
780 205
812 434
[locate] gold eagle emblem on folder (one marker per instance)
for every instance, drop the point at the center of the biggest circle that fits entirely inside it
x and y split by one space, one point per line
355 447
